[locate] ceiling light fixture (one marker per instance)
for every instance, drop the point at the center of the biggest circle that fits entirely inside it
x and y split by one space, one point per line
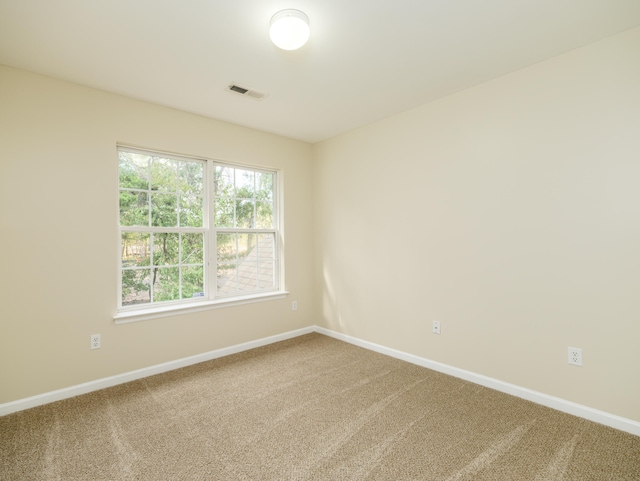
289 29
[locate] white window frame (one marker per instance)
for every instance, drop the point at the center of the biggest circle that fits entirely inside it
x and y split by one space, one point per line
211 299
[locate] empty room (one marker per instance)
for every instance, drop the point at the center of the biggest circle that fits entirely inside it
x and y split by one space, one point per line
271 241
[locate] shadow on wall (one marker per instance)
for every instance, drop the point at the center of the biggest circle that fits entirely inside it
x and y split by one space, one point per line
331 314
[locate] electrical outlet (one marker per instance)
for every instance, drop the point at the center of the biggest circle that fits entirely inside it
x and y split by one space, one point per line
294 306
436 327
575 356
95 341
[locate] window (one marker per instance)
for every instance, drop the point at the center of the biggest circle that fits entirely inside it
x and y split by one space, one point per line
245 233
194 230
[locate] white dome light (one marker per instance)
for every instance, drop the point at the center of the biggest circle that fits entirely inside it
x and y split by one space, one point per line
289 29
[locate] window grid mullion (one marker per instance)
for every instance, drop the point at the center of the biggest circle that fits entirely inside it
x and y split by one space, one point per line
152 248
229 230
179 262
149 209
235 199
162 230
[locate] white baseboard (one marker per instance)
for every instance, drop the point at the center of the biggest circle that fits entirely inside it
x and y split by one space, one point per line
601 417
58 395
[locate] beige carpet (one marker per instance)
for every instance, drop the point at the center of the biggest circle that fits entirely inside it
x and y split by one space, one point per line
311 408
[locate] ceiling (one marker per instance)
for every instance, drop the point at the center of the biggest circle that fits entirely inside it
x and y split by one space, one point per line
366 59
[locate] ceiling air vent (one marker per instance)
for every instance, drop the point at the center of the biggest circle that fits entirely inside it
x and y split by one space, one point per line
246 92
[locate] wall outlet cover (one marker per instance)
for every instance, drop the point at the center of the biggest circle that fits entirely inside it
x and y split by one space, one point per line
575 356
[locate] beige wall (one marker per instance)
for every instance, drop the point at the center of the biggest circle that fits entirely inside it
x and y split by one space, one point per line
58 224
511 213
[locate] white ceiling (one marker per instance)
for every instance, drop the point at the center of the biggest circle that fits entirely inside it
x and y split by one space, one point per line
366 59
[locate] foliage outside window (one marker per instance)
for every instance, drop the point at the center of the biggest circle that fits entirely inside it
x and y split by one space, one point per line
193 230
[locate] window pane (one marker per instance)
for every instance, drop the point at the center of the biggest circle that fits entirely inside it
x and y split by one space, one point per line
164 174
264 211
135 249
224 212
226 248
247 275
264 186
164 210
246 246
192 248
165 249
191 177
223 181
226 277
166 284
245 187
190 211
247 268
135 286
266 247
192 282
266 278
245 214
134 208
134 170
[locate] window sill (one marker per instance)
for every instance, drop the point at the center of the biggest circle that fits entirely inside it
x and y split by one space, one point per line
125 317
